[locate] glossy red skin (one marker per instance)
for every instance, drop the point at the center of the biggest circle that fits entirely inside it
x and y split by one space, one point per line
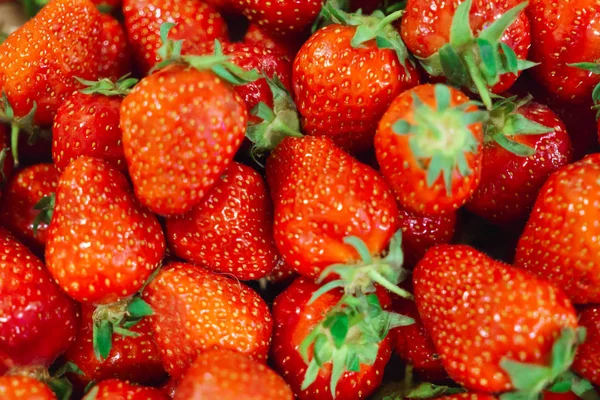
342 92
294 319
322 195
587 360
24 190
232 230
228 375
426 28
420 232
565 33
281 274
256 36
197 22
63 42
115 59
193 309
102 245
135 359
88 125
476 320
510 183
174 163
562 227
38 322
402 170
24 388
114 389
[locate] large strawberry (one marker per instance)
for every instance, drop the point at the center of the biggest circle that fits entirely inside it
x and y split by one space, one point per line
495 327
193 311
114 389
347 74
227 375
587 360
560 239
232 230
24 387
429 147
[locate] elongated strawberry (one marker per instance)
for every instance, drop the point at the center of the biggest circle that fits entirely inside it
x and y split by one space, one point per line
559 242
345 77
587 360
115 58
495 327
231 231
114 389
23 387
429 147
193 309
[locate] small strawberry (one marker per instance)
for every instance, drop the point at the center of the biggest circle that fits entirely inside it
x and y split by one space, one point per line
196 21
193 310
429 146
494 325
587 360
87 124
347 74
256 36
115 59
559 242
231 231
114 389
24 388
227 375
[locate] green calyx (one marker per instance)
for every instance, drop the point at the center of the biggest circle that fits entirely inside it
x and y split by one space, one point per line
440 138
349 336
408 389
46 208
18 125
107 87
477 62
529 380
59 383
3 157
219 64
594 68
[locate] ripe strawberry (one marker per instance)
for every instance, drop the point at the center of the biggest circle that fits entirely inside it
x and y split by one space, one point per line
193 310
231 231
18 210
429 147
587 360
488 46
24 388
115 60
197 22
560 239
528 144
491 323
231 376
63 42
343 82
87 124
37 321
114 389
256 36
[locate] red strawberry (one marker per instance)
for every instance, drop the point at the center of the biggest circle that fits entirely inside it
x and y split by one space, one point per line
231 231
429 148
115 59
517 163
37 321
256 36
18 207
63 42
496 28
24 388
227 375
193 312
87 124
197 22
491 323
114 389
343 84
587 360
560 239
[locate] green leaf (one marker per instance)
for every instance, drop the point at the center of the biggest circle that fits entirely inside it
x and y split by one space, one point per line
62 388
587 66
521 125
429 390
509 58
102 339
68 367
452 66
92 394
264 112
337 368
139 308
310 375
325 288
361 248
514 147
526 377
561 387
487 54
494 32
442 96
339 330
125 332
322 350
460 31
402 127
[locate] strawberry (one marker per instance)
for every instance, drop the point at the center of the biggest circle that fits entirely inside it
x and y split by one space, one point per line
231 376
587 360
24 388
64 42
256 36
476 44
491 323
429 147
114 389
559 241
37 321
522 148
115 58
87 124
197 22
193 309
235 218
343 81
18 206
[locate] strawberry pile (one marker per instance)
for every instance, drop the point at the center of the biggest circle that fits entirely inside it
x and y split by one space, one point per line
300 199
